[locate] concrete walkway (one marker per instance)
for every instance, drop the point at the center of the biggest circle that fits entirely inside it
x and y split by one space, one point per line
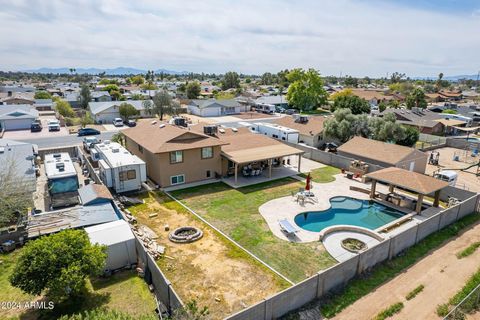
287 208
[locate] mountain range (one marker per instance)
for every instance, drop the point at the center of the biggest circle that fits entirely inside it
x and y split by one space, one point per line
114 72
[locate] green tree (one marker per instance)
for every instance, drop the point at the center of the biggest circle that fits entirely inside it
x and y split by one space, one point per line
161 104
268 79
85 96
58 265
356 104
126 111
193 90
230 80
410 138
382 106
306 90
149 86
138 80
64 108
340 126
14 197
86 119
111 88
137 96
42 95
416 99
351 82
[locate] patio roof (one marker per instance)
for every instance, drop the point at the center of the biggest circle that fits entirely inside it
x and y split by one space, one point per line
467 129
261 153
409 180
450 122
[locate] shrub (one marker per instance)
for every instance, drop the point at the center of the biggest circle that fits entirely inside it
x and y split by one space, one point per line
412 294
390 311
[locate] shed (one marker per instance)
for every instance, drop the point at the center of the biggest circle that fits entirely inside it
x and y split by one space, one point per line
120 242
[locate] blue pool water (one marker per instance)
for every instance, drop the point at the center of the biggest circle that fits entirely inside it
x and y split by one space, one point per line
348 211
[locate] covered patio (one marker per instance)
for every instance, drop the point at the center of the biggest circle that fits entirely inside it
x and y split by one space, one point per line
260 164
418 183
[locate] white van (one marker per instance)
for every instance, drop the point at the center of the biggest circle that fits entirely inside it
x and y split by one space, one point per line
447 176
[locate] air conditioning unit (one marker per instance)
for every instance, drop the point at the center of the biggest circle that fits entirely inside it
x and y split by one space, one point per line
210 130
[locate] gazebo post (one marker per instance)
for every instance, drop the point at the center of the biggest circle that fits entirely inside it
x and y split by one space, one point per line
419 203
436 201
299 162
391 187
372 189
270 168
236 173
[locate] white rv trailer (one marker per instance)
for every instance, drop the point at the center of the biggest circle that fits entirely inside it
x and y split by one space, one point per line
62 179
275 131
119 169
265 108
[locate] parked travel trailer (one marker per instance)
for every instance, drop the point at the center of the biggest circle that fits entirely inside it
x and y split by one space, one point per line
119 169
276 131
62 179
449 176
265 108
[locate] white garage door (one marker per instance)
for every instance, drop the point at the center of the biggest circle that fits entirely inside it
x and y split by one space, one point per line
17 124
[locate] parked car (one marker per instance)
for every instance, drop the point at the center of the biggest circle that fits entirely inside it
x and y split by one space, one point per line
54 125
118 122
89 142
87 132
130 123
290 111
36 126
329 147
280 109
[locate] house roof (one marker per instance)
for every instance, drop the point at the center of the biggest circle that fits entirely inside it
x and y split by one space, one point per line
243 146
450 122
18 111
21 155
376 150
98 94
213 103
409 180
92 192
371 94
424 118
159 137
312 127
272 100
98 107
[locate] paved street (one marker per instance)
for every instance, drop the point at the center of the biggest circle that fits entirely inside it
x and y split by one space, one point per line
61 141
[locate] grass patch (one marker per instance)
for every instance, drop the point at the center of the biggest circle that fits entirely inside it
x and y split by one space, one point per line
390 311
469 250
469 305
412 294
383 272
319 111
114 293
323 175
235 212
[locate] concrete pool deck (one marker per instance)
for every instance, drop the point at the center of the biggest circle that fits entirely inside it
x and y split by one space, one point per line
287 208
332 243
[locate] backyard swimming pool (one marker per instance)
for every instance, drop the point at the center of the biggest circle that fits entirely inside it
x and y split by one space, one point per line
348 211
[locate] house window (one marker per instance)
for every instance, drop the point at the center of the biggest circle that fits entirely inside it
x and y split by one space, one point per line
140 148
207 152
177 179
209 174
176 156
127 175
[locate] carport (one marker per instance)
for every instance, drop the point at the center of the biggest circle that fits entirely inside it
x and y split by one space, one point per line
418 183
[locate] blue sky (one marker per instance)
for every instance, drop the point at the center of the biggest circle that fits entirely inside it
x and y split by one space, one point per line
356 37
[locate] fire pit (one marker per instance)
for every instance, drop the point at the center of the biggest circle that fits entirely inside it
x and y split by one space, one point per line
353 245
185 235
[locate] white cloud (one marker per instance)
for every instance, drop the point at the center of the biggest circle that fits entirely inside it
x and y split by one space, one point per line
348 36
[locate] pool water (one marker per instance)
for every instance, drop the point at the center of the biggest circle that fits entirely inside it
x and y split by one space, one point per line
348 211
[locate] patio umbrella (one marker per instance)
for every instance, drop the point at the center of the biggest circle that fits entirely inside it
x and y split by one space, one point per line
308 183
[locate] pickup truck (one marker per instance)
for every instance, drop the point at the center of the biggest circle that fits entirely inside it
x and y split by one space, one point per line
53 125
89 142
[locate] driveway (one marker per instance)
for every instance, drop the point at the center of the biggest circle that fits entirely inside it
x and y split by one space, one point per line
26 134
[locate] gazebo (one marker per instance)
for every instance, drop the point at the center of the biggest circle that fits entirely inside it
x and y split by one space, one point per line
418 183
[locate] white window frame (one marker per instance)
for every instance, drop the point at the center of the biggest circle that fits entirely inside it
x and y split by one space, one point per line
176 176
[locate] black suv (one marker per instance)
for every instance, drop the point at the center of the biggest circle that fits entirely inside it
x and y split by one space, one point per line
36 126
87 132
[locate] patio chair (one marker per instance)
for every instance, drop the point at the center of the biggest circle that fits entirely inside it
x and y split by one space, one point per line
287 227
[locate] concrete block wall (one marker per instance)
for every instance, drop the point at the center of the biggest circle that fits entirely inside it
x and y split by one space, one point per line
257 311
428 227
293 297
373 256
448 216
469 206
338 275
402 241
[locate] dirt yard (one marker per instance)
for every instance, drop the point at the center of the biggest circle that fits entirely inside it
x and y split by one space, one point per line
466 179
253 115
442 274
212 271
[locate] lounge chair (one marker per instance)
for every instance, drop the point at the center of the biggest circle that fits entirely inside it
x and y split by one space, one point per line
287 227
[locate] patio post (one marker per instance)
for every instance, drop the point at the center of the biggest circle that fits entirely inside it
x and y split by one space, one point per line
236 170
372 189
299 161
269 168
419 203
391 188
436 200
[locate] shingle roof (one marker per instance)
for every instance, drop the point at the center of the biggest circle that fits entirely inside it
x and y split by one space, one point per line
376 150
98 107
312 127
28 111
213 103
168 138
409 180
